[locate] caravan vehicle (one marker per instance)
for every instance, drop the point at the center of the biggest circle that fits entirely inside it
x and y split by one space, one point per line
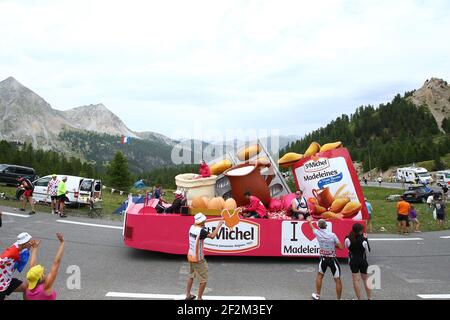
81 190
414 175
443 178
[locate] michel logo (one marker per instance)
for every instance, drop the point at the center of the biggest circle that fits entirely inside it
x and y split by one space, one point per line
316 165
236 236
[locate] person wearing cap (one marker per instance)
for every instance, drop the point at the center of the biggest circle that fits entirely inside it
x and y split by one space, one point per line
12 259
52 188
198 267
179 202
328 242
61 196
27 195
299 206
40 285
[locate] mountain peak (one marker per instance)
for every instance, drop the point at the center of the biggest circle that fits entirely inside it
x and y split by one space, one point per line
11 83
435 95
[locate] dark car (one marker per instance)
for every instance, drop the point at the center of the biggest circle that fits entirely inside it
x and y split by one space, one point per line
10 173
419 193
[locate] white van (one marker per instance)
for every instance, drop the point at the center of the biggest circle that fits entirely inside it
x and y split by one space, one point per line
413 175
81 190
443 178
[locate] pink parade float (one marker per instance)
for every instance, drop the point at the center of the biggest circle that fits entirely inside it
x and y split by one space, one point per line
325 174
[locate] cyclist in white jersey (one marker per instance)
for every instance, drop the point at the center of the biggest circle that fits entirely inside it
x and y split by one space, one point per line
328 242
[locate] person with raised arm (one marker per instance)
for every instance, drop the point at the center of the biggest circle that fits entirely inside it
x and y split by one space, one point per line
40 285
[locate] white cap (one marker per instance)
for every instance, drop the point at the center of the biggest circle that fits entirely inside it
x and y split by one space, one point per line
199 218
23 238
178 192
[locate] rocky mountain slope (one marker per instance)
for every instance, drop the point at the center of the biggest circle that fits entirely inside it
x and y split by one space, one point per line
435 95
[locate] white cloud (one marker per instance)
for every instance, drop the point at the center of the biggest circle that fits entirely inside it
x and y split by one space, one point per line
290 65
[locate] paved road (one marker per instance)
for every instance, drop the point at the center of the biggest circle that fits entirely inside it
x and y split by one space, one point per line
408 268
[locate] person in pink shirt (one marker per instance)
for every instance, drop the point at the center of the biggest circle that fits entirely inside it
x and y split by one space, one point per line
40 285
255 209
205 171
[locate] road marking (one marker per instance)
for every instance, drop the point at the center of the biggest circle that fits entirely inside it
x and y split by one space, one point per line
434 296
15 215
395 239
90 224
448 237
176 296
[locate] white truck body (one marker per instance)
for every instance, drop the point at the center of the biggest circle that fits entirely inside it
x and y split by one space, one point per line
414 174
81 190
443 178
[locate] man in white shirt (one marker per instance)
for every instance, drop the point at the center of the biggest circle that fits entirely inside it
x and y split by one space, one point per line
328 242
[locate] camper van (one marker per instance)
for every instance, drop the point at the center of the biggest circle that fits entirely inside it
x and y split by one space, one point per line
443 178
414 175
81 190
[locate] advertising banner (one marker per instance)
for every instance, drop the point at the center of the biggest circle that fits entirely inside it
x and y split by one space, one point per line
331 185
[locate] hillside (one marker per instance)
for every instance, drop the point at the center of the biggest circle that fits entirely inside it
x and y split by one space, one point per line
435 95
395 133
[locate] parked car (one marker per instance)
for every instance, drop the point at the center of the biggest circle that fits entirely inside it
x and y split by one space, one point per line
443 178
10 173
81 190
419 193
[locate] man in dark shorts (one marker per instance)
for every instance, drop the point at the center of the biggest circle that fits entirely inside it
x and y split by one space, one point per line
403 210
52 192
328 242
27 195
12 259
358 246
299 206
61 193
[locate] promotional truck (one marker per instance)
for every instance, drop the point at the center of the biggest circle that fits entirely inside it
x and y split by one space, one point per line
329 182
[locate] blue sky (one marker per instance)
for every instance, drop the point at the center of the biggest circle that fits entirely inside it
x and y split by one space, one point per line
287 65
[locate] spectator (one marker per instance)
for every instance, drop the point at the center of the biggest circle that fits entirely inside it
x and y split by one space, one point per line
255 209
365 180
158 192
27 195
205 171
40 285
445 192
430 202
415 221
358 246
198 267
61 196
403 209
380 180
328 242
52 188
12 259
179 202
299 206
440 212
369 211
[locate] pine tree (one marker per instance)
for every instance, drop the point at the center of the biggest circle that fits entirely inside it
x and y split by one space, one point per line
117 173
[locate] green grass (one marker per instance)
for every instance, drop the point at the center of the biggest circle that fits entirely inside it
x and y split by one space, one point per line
385 212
